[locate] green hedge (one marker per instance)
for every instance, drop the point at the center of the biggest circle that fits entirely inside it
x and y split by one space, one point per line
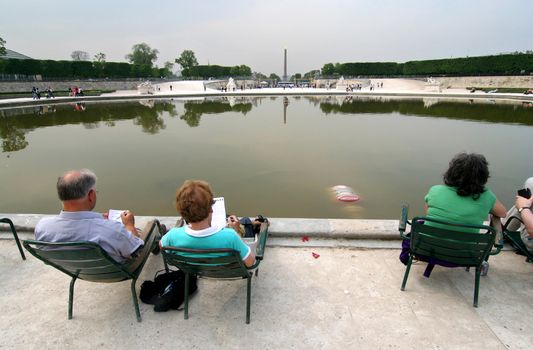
79 69
509 64
215 71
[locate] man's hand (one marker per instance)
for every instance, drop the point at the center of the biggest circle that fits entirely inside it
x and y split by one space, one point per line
128 219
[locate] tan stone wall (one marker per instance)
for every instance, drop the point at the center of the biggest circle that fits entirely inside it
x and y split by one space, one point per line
22 86
496 82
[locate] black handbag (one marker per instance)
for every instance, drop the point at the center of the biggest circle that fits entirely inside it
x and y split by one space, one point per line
167 290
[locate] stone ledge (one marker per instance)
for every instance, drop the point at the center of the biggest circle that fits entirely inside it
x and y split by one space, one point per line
279 227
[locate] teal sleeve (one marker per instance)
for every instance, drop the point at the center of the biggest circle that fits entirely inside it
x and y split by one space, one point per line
166 240
240 246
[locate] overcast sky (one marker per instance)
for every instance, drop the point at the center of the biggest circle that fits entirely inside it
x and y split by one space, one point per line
254 32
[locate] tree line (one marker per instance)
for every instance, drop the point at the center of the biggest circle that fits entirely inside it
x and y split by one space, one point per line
504 64
141 65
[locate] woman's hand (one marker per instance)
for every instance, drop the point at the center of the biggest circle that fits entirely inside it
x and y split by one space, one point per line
234 223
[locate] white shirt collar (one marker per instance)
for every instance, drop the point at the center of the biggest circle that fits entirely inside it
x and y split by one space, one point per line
202 233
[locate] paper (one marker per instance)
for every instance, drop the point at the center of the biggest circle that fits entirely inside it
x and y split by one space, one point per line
114 215
219 213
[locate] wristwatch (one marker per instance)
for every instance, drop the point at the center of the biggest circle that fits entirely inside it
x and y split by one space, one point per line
520 209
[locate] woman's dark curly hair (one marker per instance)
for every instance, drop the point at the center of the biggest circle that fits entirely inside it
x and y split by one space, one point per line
468 173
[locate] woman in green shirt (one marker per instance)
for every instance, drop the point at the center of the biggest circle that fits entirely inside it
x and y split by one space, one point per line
464 198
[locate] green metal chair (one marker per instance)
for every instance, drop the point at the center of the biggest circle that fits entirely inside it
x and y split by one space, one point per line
452 243
14 231
88 261
514 237
216 263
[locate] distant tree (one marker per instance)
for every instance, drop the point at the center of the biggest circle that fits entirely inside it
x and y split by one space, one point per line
296 76
142 54
245 71
79 55
99 64
328 69
99 57
166 71
259 76
187 60
312 74
2 47
274 76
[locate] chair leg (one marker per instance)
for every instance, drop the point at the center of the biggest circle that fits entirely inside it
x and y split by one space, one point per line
135 301
14 231
248 292
476 286
167 270
71 297
407 268
186 306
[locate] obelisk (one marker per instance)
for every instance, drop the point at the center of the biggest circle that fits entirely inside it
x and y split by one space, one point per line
285 65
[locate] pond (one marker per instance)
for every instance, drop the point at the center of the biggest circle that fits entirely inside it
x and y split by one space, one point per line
276 156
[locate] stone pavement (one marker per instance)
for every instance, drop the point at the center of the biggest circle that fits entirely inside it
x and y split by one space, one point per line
345 299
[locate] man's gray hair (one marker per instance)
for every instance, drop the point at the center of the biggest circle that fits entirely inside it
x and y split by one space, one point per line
75 184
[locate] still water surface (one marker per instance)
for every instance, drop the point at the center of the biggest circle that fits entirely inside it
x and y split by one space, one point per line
269 155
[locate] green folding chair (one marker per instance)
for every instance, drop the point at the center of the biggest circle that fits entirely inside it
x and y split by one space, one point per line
14 231
88 261
216 263
451 243
514 237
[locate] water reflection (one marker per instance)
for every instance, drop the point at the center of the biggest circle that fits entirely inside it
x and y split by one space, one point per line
484 110
149 114
195 109
15 123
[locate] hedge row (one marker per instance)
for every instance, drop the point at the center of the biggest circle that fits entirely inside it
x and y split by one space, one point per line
79 69
508 64
215 71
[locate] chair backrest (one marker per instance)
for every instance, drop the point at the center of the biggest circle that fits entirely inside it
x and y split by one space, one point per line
84 260
451 242
215 263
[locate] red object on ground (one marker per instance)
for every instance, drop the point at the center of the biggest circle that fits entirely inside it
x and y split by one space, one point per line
305 239
315 255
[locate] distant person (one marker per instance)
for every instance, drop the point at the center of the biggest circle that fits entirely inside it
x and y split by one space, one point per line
170 87
194 201
50 93
69 91
77 221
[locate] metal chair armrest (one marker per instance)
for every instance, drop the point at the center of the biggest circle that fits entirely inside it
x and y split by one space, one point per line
402 226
